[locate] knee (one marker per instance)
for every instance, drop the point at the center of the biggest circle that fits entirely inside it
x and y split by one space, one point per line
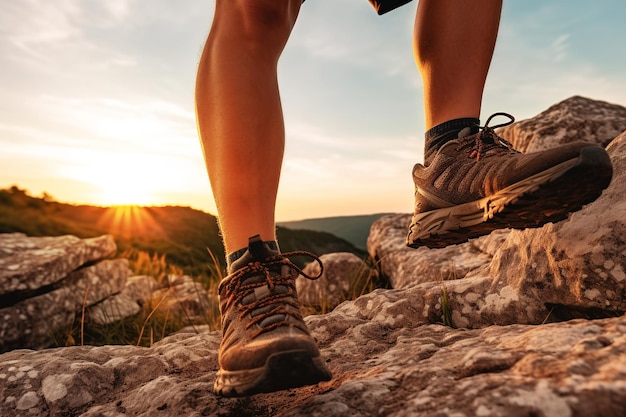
259 19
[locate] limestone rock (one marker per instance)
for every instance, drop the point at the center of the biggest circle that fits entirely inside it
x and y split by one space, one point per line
576 118
343 273
31 322
404 266
112 309
137 291
382 365
575 268
29 263
140 288
183 296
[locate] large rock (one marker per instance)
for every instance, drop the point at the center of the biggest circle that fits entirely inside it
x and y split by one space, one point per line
46 281
576 118
29 263
183 297
575 268
404 266
33 321
344 277
136 293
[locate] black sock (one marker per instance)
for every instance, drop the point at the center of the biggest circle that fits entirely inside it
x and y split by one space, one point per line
437 136
233 256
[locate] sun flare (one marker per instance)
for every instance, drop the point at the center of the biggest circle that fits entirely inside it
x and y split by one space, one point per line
130 220
130 183
125 195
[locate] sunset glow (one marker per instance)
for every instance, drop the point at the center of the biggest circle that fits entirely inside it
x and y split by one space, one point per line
126 195
128 220
97 103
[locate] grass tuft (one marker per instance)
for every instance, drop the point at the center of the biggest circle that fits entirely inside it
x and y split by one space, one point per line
153 322
445 308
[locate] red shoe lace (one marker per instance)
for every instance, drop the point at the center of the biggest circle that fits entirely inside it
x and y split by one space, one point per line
237 290
488 139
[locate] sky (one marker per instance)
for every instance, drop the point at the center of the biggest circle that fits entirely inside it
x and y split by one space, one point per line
97 102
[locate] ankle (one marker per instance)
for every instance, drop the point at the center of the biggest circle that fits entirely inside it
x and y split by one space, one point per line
439 135
233 257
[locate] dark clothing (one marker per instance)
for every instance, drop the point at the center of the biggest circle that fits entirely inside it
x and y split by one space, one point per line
384 6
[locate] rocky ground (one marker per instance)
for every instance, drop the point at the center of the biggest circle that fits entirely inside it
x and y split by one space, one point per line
382 361
537 316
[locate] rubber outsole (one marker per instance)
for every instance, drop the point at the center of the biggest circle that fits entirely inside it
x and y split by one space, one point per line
282 370
548 196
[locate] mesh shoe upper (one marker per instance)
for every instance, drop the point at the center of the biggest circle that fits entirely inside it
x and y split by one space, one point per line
478 166
479 183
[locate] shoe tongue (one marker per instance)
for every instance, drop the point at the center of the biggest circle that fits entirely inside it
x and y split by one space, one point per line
257 251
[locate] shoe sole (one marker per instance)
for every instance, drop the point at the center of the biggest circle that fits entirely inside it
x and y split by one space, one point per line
283 370
548 196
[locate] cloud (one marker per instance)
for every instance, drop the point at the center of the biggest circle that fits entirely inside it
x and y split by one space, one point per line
544 55
559 47
49 38
119 9
348 174
352 34
30 26
149 125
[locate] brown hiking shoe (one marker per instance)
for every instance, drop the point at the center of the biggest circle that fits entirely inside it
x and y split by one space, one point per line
266 346
479 183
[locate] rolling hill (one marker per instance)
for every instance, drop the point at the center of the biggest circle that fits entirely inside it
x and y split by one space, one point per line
354 229
182 234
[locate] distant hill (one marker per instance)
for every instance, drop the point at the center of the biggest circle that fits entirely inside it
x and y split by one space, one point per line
354 229
184 235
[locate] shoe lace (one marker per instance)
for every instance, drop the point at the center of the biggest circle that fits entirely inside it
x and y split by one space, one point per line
488 139
238 289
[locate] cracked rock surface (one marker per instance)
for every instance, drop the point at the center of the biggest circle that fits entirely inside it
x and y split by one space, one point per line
380 367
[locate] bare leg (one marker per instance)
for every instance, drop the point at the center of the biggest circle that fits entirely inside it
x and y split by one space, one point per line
239 113
453 45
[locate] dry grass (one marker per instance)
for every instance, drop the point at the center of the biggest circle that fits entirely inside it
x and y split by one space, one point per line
153 323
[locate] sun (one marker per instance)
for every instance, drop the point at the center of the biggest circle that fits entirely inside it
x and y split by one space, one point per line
122 179
125 195
124 187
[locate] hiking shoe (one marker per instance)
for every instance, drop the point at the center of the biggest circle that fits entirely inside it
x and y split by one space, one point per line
479 183
266 346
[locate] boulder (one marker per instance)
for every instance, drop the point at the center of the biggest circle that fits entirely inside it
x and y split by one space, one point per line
576 118
29 263
136 293
46 281
183 297
344 277
404 266
572 269
33 321
575 268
